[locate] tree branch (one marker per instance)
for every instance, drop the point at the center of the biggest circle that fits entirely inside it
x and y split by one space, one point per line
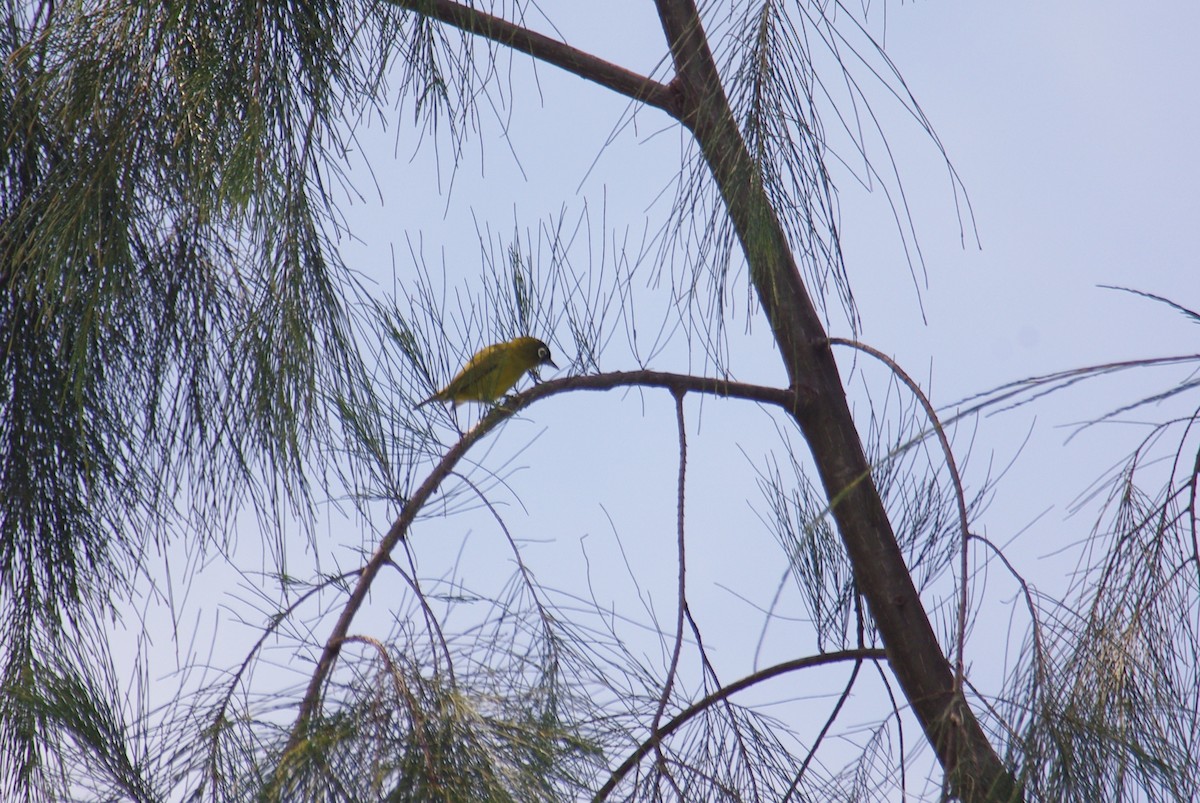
791 400
682 718
681 601
974 770
960 494
585 65
788 399
829 721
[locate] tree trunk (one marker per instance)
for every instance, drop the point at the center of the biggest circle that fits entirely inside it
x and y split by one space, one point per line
974 770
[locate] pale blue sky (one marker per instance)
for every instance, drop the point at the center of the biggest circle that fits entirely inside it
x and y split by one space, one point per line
1073 126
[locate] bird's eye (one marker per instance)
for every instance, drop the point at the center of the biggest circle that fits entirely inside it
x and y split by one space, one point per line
543 353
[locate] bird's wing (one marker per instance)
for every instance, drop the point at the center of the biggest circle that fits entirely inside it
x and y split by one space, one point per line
476 374
475 380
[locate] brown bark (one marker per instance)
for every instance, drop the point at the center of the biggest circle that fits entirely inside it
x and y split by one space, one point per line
975 771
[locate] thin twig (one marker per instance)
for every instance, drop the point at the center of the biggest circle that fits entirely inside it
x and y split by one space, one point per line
681 598
959 495
219 717
1038 651
833 715
431 622
733 720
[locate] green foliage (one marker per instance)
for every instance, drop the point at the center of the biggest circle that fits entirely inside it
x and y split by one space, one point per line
180 342
1110 718
173 319
172 312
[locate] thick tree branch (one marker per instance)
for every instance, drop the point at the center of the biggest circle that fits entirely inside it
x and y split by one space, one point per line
972 766
585 65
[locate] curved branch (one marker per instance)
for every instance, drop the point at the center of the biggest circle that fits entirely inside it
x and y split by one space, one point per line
1039 653
403 692
955 477
790 400
436 635
380 558
585 65
682 718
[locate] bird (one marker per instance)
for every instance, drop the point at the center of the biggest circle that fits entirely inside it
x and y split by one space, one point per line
493 371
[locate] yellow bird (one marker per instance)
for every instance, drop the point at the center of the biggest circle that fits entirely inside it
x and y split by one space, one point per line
494 370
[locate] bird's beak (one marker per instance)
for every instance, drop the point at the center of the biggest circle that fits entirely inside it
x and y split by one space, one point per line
549 362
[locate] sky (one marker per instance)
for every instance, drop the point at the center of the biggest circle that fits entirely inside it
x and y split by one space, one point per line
1073 127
